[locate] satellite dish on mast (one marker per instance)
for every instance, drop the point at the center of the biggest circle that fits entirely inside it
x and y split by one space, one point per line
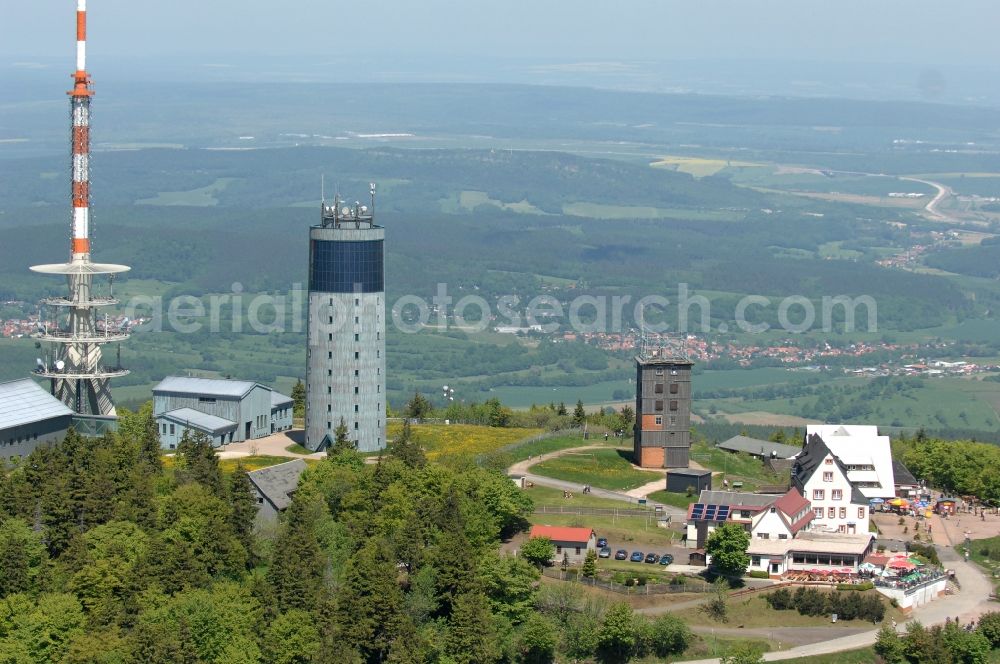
60 365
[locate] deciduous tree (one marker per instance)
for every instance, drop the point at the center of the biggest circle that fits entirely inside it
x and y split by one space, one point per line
727 546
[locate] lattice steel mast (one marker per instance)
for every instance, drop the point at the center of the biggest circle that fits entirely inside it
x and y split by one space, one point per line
79 377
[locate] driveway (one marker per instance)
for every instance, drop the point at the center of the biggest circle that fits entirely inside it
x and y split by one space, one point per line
273 445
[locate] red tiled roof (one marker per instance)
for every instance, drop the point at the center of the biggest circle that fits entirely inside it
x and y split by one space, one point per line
792 502
562 533
801 523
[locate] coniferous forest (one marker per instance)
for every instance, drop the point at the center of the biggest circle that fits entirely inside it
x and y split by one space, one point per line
111 553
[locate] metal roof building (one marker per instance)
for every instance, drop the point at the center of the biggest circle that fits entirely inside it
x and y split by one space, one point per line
227 411
274 486
29 417
759 448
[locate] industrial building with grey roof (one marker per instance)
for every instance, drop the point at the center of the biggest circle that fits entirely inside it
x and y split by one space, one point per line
227 411
30 417
759 448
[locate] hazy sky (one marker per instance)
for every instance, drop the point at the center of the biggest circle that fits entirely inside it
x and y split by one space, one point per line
907 31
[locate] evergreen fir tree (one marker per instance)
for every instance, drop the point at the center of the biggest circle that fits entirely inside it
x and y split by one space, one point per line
590 564
406 449
298 565
244 510
299 399
198 462
13 567
471 637
369 612
137 499
579 414
150 452
341 443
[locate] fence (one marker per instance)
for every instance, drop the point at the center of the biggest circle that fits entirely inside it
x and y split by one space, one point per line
689 586
542 436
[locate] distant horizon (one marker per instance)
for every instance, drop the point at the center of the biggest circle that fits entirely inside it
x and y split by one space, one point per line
974 85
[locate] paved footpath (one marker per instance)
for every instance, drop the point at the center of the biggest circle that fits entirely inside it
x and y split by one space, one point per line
631 497
967 605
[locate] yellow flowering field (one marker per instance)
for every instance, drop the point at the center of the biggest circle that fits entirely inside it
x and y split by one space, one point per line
445 439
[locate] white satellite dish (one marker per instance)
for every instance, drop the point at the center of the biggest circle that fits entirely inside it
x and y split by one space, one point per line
38 361
60 365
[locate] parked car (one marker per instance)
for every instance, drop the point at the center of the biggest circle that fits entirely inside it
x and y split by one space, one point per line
652 558
666 559
636 557
605 552
602 542
621 554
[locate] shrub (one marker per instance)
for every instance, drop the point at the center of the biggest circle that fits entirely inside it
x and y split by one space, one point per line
668 636
925 551
812 602
758 574
779 600
678 580
989 626
867 585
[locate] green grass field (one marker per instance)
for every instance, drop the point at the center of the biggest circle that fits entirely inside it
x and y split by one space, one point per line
200 197
944 402
250 462
624 532
522 451
544 496
680 500
753 612
735 467
602 211
607 469
449 439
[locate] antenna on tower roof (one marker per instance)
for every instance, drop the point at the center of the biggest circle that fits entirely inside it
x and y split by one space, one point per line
322 188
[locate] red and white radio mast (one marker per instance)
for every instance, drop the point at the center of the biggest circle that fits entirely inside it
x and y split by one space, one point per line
75 332
80 104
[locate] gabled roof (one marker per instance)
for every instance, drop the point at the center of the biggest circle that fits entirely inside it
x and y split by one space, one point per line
792 502
807 463
24 401
757 446
901 474
195 418
277 483
278 400
562 533
735 499
213 387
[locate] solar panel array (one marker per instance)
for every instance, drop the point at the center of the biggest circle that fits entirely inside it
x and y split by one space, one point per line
703 512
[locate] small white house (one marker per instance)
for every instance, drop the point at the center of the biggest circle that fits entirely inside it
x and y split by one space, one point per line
573 543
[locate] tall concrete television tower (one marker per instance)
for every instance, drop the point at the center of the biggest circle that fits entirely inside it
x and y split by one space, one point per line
345 366
76 333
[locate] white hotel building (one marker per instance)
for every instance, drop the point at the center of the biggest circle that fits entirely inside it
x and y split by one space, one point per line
822 478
